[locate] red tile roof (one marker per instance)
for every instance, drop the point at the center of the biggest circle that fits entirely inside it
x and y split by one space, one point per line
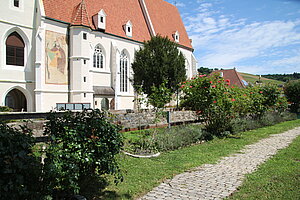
166 20
232 75
165 17
81 15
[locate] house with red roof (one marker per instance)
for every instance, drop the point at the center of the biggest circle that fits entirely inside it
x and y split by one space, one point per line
78 53
235 79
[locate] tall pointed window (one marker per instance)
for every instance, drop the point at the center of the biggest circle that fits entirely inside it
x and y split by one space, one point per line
98 59
15 50
124 65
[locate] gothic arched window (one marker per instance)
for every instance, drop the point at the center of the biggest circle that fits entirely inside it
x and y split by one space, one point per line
15 50
98 58
124 66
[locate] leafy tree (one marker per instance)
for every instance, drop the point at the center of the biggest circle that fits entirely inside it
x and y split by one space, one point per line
205 70
157 62
292 92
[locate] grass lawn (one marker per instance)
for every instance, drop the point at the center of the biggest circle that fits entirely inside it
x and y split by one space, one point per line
278 178
253 78
141 175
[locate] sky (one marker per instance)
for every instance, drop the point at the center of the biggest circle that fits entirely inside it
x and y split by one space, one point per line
254 36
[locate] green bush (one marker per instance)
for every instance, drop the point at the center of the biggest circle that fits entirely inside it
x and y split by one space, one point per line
178 137
5 109
19 169
213 100
163 139
268 119
82 147
292 92
217 103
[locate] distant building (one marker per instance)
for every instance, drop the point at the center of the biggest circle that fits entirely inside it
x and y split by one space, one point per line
231 74
79 51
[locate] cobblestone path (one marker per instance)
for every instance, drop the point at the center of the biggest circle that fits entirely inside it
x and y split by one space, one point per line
217 181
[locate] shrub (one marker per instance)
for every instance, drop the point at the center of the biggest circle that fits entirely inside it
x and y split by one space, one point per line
164 139
19 169
292 92
5 109
213 100
268 119
178 137
83 146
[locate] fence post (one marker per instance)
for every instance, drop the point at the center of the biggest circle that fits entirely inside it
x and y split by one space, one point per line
169 118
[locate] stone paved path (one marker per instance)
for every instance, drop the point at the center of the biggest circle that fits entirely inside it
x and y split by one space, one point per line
217 181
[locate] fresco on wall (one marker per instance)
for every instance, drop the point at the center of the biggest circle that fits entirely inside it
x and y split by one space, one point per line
56 58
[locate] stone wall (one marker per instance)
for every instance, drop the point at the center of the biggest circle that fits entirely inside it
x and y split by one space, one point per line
131 120
127 119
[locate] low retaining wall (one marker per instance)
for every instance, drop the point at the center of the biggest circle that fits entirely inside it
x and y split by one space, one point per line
133 120
128 119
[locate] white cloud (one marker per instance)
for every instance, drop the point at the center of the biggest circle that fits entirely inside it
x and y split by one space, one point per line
290 61
227 42
179 4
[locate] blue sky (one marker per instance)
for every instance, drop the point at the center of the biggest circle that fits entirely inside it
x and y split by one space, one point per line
255 36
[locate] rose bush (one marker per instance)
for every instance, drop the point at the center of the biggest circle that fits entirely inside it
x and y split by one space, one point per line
216 102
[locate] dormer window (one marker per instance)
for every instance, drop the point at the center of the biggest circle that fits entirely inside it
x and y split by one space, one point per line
16 3
176 36
128 29
100 20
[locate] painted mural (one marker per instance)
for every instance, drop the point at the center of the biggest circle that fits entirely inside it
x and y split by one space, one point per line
56 58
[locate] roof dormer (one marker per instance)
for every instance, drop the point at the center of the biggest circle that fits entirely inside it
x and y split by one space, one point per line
176 36
128 29
100 20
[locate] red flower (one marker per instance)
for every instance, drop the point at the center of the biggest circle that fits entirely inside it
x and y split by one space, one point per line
219 81
198 112
232 87
228 84
227 80
214 101
213 86
182 86
210 82
191 86
251 92
232 99
261 92
245 95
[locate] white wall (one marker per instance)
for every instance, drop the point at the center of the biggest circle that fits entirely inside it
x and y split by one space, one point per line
22 21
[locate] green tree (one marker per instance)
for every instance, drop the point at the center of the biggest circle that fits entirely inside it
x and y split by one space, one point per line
205 70
158 61
292 92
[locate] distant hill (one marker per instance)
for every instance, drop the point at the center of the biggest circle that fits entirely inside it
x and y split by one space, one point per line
250 78
283 77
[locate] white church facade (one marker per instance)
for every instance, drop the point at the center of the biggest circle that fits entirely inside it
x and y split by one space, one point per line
79 51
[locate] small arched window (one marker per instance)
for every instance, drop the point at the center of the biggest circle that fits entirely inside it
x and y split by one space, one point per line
15 50
98 59
124 63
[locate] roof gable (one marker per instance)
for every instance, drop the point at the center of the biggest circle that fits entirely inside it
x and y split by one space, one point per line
166 20
232 75
81 15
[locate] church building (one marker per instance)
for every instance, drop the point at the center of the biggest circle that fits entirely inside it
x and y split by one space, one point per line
78 53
